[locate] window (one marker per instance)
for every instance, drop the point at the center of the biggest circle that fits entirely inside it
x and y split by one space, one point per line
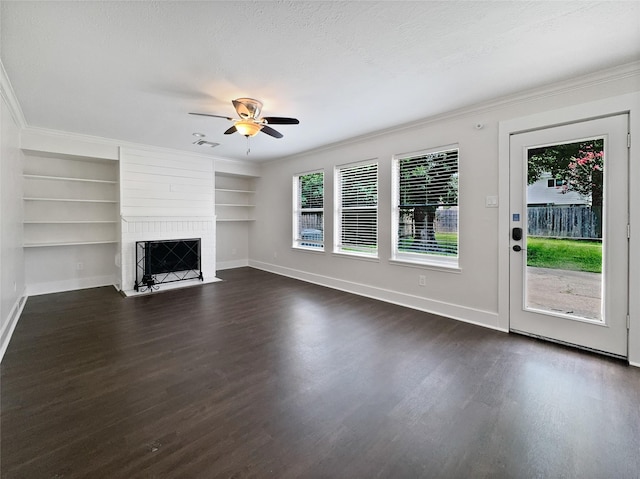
356 217
308 210
555 183
426 207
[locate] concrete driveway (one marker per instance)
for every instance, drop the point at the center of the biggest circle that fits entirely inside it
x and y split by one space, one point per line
571 292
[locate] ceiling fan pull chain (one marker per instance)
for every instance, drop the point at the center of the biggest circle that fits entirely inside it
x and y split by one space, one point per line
248 146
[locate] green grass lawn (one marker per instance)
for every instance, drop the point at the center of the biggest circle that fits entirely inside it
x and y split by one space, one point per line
574 255
447 241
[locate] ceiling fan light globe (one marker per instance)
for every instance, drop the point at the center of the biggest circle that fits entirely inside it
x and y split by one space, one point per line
248 128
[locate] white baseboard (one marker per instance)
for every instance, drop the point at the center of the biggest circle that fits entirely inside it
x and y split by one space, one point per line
239 263
36 289
461 313
10 325
634 364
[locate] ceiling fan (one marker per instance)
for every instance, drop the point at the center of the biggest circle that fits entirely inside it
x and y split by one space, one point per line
250 122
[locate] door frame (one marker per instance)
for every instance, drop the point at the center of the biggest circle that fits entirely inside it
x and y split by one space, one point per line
629 103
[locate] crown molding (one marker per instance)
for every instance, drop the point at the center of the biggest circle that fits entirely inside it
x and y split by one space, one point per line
122 144
9 96
617 73
245 168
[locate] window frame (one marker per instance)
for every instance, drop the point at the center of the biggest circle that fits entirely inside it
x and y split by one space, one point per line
297 240
338 210
430 260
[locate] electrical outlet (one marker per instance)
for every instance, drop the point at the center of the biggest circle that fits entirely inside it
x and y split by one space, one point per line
79 266
15 286
422 280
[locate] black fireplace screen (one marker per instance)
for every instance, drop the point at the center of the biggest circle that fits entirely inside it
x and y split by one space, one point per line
166 261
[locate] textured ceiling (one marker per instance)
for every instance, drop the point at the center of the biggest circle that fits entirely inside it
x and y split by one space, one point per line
133 70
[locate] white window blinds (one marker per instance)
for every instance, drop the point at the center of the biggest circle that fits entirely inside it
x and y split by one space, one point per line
357 209
426 213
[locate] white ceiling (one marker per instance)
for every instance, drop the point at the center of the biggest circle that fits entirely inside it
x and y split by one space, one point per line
132 71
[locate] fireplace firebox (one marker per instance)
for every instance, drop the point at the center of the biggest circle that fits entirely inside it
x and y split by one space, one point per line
166 261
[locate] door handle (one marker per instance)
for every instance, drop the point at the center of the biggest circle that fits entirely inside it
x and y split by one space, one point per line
516 248
516 234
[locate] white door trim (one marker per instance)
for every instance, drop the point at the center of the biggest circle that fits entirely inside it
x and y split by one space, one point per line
629 103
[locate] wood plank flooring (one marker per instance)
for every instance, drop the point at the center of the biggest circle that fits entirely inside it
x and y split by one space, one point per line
261 376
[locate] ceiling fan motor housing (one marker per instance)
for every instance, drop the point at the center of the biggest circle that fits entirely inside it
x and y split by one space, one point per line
248 108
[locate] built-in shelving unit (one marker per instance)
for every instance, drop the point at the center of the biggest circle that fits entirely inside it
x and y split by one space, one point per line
70 201
234 199
235 217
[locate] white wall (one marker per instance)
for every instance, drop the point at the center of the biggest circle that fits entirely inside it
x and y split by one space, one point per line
232 245
270 244
470 295
164 184
54 269
12 282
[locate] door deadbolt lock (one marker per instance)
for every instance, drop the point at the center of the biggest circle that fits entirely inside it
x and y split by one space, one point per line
516 234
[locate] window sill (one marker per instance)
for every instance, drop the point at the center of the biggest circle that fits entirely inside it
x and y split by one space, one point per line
446 268
361 257
308 249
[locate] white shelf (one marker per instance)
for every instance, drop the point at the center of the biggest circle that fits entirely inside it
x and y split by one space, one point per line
69 200
234 204
227 190
224 220
65 178
234 199
70 243
69 222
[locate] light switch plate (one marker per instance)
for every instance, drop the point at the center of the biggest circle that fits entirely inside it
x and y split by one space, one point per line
491 202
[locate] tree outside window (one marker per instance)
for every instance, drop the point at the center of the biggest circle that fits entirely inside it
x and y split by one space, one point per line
427 206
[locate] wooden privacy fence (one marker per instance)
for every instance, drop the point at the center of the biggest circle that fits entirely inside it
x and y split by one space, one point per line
563 222
310 221
548 221
446 222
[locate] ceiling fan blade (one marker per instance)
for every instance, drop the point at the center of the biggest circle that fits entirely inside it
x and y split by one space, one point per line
231 130
215 116
271 132
280 120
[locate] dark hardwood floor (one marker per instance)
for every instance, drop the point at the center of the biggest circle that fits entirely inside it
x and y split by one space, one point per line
267 377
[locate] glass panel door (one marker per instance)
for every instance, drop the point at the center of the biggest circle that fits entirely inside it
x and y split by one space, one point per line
568 266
